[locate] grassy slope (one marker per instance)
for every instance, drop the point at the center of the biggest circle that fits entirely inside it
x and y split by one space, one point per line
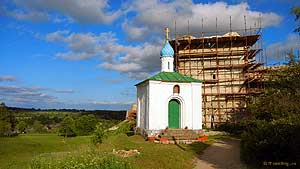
155 155
17 152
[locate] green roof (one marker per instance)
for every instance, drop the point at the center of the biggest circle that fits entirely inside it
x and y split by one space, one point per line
171 77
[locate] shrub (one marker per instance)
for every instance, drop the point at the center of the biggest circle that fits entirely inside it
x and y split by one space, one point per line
272 130
123 127
67 127
5 128
37 126
278 141
102 132
21 126
233 128
7 122
85 125
99 134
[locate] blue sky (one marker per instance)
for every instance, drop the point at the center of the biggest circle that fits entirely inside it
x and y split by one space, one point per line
89 54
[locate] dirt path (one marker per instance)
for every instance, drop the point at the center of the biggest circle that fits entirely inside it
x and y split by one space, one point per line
223 154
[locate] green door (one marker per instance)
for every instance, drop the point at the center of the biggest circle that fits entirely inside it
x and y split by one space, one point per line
174 113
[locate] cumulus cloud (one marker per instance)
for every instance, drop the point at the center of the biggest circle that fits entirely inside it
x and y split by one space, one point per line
65 91
18 96
81 46
93 11
25 95
8 78
36 97
153 16
135 61
33 16
110 102
145 25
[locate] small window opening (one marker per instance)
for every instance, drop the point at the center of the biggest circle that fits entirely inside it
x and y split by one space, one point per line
176 89
168 65
214 76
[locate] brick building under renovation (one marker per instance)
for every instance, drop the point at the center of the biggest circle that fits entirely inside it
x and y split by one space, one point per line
230 64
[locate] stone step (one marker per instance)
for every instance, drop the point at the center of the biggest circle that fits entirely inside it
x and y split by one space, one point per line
181 134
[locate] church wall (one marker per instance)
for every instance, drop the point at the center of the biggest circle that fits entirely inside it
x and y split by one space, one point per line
197 117
142 106
160 95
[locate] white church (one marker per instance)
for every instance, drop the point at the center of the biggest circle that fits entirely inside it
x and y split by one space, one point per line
168 100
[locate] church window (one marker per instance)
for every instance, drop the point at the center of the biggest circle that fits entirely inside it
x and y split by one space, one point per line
168 65
176 89
214 76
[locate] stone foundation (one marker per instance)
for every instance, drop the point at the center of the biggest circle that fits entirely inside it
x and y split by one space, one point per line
172 136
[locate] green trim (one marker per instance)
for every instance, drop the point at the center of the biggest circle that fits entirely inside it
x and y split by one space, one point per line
171 77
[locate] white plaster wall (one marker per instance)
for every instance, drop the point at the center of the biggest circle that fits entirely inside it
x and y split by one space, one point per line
197 117
142 106
190 97
167 64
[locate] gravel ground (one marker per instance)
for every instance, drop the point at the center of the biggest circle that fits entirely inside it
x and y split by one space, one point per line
223 154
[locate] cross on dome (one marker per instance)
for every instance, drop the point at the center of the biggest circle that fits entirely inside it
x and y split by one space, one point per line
167 50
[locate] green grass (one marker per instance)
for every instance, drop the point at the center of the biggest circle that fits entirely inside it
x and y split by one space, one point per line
153 155
17 152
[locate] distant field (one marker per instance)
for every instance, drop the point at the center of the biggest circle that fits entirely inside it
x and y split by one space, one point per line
17 152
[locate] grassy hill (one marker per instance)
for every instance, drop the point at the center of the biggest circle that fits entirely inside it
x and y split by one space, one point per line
18 152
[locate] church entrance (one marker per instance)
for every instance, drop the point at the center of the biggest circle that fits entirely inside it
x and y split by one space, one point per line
173 113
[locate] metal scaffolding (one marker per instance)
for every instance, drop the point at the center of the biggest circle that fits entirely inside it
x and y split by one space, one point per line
230 64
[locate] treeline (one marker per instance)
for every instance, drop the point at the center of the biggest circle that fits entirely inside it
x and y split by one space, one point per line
103 114
14 121
269 126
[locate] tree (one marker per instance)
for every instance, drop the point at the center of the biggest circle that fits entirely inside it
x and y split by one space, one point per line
21 126
2 104
5 128
296 12
6 120
99 134
85 125
272 130
37 126
67 127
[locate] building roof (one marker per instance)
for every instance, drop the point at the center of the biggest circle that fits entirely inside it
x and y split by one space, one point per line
171 77
167 50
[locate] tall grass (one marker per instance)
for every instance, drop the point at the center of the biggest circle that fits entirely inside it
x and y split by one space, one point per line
79 160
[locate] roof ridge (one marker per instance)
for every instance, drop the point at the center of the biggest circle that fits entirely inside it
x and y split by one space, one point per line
171 77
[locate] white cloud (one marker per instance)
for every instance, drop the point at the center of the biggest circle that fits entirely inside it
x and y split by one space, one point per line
74 56
146 25
92 11
134 32
153 16
33 16
37 97
134 61
125 67
25 95
57 36
65 91
8 78
111 102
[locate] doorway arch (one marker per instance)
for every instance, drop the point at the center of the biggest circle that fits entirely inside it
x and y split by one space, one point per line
174 113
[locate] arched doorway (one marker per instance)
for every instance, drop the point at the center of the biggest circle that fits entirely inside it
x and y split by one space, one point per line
173 113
